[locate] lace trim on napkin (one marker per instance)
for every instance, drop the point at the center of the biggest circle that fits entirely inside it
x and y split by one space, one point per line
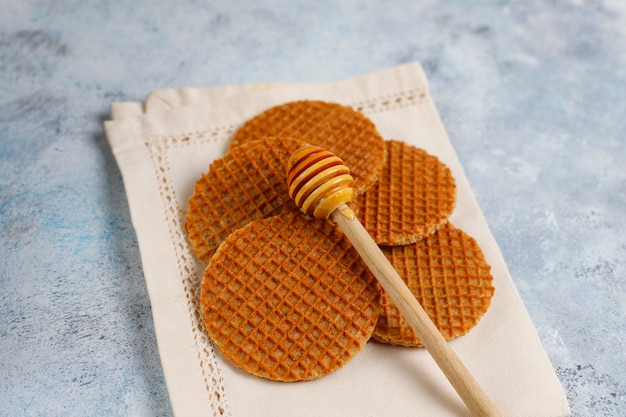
390 102
189 267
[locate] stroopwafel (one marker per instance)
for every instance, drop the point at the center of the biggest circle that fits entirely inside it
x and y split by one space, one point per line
448 274
288 298
414 196
337 128
248 183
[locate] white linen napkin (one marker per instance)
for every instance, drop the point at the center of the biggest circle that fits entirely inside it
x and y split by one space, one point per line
164 145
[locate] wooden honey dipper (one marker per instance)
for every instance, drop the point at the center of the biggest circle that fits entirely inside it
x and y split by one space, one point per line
321 185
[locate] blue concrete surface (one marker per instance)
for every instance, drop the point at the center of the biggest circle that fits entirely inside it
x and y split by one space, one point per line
531 93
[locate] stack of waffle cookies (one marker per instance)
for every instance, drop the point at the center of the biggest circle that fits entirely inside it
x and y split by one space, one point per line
286 297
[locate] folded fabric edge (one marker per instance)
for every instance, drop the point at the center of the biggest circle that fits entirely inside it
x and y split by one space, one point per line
184 96
126 109
188 96
227 112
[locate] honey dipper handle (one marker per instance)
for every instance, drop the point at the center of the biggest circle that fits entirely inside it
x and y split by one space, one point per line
463 382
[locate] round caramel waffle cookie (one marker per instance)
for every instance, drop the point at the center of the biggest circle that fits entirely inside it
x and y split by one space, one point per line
414 196
448 274
339 129
248 183
288 299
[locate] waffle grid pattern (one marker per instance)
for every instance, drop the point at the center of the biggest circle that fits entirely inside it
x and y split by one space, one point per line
288 299
415 195
340 129
190 271
246 184
448 274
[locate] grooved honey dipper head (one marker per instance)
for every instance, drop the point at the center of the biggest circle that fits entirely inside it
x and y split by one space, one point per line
319 182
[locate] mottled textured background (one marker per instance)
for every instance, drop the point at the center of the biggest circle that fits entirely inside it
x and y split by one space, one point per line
532 94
